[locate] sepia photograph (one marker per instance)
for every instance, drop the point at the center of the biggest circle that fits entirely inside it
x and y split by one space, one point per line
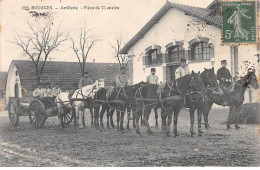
129 83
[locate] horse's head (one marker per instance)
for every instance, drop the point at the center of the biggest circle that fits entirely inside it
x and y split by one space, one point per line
100 83
196 83
209 79
251 79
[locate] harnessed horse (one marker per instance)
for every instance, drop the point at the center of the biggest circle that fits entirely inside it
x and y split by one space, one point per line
78 100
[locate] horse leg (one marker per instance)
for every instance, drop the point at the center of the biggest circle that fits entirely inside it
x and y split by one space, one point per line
138 116
169 121
199 122
163 117
206 114
229 117
156 116
92 117
60 114
96 117
122 121
77 118
175 122
111 113
83 118
117 119
142 117
192 122
101 117
128 118
146 118
134 118
108 116
236 117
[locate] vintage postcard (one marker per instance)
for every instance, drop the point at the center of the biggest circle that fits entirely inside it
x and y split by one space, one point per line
129 83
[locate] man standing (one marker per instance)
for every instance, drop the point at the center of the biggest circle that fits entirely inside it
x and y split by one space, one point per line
122 79
182 70
85 80
152 78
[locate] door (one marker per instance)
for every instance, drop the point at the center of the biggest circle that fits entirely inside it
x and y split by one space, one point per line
16 90
172 70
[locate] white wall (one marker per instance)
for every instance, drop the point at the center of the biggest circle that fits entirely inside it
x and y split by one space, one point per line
10 83
176 26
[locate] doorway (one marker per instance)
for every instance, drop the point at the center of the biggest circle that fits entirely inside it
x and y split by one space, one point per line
172 70
16 90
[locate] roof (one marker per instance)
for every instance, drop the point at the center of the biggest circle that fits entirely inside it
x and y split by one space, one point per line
67 74
205 14
213 4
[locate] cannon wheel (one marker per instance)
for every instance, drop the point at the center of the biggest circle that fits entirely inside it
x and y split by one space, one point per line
67 115
13 112
37 113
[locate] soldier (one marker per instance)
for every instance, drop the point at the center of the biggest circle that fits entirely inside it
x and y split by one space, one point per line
152 78
182 70
85 80
39 92
48 90
121 78
56 90
225 79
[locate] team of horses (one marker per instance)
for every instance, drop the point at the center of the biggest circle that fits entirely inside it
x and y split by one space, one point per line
195 92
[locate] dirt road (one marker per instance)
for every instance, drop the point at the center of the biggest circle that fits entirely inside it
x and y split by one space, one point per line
51 146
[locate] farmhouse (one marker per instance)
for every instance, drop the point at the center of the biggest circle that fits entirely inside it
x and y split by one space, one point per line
179 31
21 79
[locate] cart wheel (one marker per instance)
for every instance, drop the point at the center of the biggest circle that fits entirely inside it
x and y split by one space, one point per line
67 115
37 114
13 113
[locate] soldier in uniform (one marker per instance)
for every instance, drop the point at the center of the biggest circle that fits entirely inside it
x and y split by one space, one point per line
39 92
225 79
182 70
152 78
122 79
85 80
56 90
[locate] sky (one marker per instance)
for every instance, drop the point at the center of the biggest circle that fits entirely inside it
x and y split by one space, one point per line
131 16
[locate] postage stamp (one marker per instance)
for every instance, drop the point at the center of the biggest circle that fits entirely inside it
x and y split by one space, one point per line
239 24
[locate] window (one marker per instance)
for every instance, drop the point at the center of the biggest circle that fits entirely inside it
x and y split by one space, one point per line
175 53
154 56
201 51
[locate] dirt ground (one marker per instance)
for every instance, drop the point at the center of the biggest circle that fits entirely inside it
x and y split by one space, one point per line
50 146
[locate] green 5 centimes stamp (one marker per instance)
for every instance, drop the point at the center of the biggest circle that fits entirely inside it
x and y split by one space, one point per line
239 22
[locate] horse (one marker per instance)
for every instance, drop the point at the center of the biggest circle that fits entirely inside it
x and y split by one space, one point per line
173 96
234 99
122 99
101 100
78 100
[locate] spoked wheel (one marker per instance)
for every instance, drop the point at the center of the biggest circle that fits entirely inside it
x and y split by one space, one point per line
13 113
37 114
67 115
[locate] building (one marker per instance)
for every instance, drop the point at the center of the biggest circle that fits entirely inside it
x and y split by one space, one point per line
21 79
3 76
179 31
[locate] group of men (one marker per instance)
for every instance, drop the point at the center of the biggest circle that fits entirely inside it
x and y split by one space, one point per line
122 80
46 90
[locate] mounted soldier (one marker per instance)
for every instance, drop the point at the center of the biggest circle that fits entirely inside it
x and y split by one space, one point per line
182 70
152 78
122 78
85 80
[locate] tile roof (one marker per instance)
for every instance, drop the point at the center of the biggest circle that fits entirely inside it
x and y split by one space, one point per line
207 15
67 74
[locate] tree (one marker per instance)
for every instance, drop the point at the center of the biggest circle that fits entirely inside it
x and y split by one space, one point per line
117 46
38 43
82 47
